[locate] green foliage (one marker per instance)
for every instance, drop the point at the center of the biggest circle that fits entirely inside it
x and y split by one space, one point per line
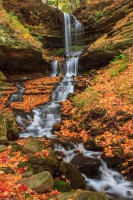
87 98
120 62
99 13
18 25
58 52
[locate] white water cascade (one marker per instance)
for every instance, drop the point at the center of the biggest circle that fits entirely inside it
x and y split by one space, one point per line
110 181
73 32
54 66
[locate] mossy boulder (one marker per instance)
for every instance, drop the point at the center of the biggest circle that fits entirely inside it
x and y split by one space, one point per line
44 163
62 186
8 127
41 182
81 195
33 145
16 147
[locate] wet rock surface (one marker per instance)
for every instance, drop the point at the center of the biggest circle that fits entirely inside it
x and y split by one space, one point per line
73 174
86 165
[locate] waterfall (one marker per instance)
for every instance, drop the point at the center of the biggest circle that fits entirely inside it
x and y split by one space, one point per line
72 66
68 32
54 66
73 32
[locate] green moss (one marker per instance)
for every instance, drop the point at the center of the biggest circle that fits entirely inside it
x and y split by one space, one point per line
62 186
86 98
58 52
121 61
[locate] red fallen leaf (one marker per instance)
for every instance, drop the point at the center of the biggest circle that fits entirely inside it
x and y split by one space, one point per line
45 153
37 154
54 193
22 188
3 159
3 186
20 170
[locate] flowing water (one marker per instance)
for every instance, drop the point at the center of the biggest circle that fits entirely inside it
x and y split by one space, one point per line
54 67
43 117
17 96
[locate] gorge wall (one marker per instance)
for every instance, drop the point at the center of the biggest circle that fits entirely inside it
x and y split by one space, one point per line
28 28
108 31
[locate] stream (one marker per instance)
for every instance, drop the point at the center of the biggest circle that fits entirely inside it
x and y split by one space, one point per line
43 117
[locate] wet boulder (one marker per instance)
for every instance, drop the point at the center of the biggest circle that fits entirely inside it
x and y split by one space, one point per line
77 180
114 162
88 166
41 182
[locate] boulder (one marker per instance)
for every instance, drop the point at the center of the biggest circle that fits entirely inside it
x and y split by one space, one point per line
44 163
32 145
8 127
77 181
114 162
88 166
81 195
41 182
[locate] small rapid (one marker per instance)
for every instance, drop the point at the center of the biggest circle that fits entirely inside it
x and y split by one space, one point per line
111 182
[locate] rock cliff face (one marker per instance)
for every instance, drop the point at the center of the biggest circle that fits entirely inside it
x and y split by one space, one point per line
27 29
108 29
44 22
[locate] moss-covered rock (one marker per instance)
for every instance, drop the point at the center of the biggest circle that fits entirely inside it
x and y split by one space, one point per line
16 147
32 145
41 182
44 163
8 127
81 195
62 186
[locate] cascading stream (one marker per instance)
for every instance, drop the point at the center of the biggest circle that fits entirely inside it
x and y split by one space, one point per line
45 116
